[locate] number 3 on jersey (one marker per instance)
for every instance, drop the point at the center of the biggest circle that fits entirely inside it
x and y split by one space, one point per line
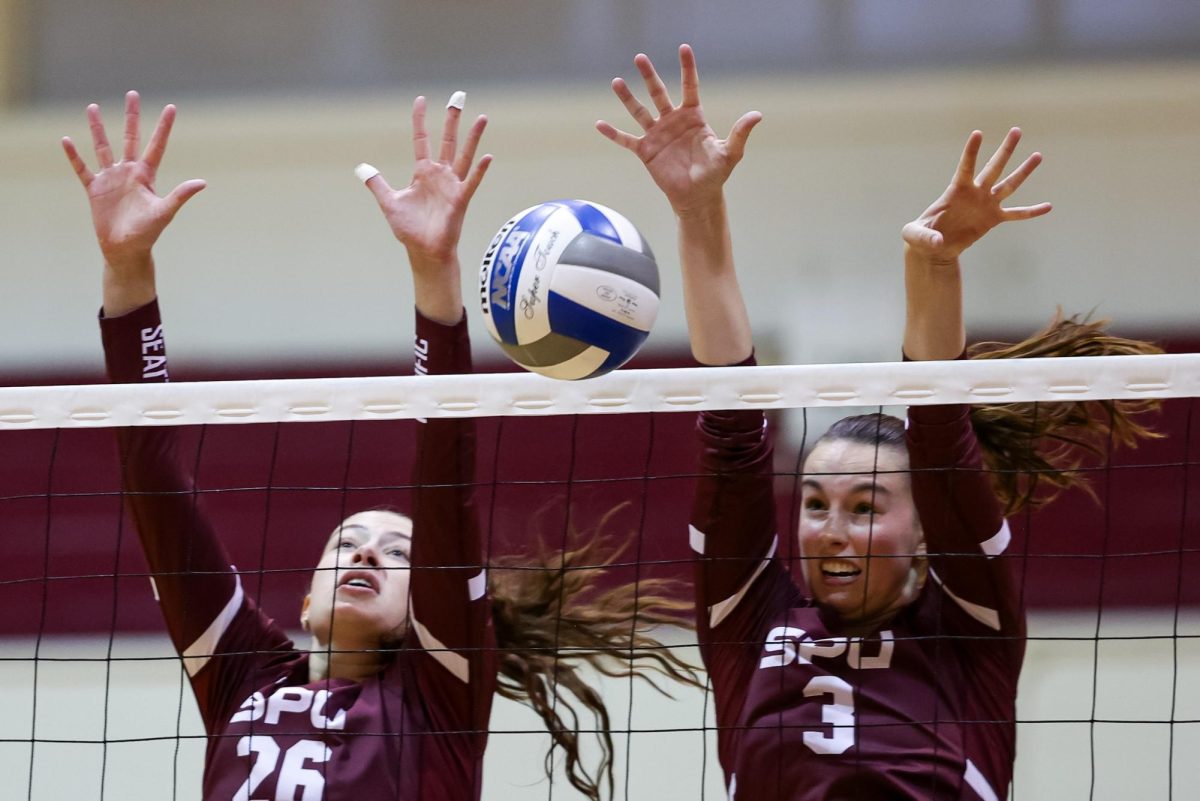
293 775
838 713
787 645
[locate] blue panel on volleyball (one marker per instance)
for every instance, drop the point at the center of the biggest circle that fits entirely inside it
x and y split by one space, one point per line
592 219
503 285
573 320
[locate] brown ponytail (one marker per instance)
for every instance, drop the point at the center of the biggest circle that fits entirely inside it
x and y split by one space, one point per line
552 612
1037 449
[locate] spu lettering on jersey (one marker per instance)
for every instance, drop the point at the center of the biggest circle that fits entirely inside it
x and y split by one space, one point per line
154 360
788 645
286 702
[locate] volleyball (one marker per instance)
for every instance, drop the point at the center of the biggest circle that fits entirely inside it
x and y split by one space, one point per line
569 289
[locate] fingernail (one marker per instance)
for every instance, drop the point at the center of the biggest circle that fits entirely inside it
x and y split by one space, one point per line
365 172
457 100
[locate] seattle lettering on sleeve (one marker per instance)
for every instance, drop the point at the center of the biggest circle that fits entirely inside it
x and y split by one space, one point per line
154 359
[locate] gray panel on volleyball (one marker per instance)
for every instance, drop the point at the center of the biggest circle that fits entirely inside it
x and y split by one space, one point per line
589 250
550 350
646 249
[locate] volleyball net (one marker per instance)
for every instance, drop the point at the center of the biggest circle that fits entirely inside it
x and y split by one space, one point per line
97 703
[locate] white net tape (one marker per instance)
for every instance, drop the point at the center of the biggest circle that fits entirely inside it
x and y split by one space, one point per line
664 390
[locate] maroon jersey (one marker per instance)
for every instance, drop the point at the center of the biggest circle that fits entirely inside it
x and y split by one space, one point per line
415 731
923 708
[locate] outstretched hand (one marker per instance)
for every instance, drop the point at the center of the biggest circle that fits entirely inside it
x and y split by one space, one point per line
682 153
427 215
971 205
127 213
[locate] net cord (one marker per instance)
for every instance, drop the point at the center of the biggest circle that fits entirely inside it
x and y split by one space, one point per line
661 390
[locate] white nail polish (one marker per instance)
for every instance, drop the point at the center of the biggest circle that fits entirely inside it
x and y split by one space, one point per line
457 100
365 172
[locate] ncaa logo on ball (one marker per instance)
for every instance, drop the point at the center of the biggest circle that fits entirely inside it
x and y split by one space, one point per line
488 258
503 269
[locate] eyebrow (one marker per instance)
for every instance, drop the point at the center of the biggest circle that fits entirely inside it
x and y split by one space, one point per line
396 535
862 486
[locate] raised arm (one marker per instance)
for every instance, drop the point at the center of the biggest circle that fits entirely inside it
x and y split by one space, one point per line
734 513
690 165
961 517
200 594
733 531
969 208
450 612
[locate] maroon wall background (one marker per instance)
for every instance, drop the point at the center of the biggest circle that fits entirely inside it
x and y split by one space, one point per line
69 562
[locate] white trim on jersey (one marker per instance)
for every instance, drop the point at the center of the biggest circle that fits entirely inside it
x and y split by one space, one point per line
477 585
696 539
976 781
718 612
988 617
451 661
196 655
997 544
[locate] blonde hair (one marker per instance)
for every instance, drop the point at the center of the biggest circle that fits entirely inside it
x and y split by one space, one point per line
553 614
1036 450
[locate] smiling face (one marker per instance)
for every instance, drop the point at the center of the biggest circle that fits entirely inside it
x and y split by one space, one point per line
859 530
359 593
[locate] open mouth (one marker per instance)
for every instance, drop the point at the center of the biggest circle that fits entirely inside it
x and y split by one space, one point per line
839 570
359 580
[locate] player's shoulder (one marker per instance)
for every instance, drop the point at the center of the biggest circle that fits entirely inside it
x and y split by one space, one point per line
779 594
254 648
938 611
788 608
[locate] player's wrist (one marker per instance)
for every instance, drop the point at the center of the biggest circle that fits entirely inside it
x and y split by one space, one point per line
438 292
433 262
702 212
442 313
936 263
128 264
126 290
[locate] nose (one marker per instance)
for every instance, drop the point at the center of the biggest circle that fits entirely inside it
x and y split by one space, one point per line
365 554
833 532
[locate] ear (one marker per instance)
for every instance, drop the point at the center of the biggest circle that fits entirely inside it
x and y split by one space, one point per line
921 563
304 612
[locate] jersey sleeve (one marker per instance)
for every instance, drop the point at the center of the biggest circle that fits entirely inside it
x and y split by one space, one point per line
740 582
450 610
213 625
966 535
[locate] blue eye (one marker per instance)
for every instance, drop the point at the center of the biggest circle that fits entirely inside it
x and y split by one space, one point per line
344 544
